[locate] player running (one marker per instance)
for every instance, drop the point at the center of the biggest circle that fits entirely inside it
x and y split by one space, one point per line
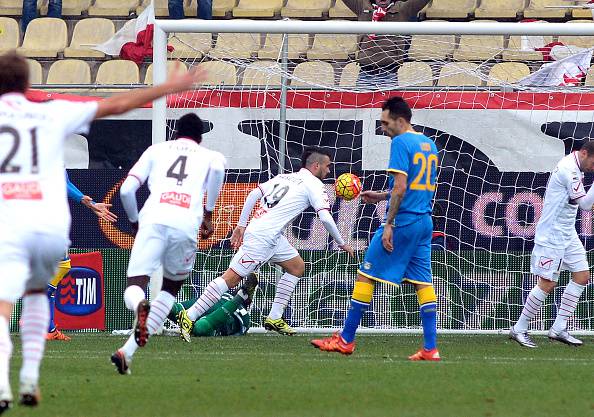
557 247
178 174
281 199
400 250
34 215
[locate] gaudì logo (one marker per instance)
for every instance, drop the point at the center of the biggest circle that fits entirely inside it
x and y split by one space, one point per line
80 293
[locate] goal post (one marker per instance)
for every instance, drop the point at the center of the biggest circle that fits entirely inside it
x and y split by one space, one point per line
499 133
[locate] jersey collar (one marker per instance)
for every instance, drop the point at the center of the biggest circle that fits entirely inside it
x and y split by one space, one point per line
187 140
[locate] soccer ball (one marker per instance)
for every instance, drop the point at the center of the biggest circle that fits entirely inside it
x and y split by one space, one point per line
347 186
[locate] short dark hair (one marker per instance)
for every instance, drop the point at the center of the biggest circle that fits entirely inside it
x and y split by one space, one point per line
588 147
398 107
190 126
313 154
14 73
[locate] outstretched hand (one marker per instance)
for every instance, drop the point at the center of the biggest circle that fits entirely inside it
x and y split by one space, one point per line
180 81
348 249
101 210
372 197
237 237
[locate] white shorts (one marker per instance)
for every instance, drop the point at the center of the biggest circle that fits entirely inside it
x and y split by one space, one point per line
253 253
157 245
28 261
549 262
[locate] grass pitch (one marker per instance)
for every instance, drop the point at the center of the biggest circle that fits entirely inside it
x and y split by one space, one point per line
270 375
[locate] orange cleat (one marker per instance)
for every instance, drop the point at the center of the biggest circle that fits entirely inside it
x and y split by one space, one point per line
57 335
425 355
334 343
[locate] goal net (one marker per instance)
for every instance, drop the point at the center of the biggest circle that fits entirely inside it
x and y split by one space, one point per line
502 109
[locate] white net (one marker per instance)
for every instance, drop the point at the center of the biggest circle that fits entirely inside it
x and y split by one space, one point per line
502 110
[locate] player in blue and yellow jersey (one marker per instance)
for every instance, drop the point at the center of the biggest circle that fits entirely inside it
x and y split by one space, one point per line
102 211
400 250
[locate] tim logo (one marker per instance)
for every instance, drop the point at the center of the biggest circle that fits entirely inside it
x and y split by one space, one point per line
79 293
176 199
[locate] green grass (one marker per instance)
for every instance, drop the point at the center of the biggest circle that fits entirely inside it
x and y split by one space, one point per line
269 375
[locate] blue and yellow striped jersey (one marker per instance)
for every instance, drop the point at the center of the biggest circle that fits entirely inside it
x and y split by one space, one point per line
414 155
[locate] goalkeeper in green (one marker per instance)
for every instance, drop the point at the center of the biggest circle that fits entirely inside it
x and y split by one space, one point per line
228 317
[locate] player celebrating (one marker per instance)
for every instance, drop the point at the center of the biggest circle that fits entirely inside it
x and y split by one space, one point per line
178 174
557 246
281 199
34 215
400 250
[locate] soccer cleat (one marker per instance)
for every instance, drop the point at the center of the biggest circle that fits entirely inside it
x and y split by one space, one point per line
249 287
57 335
185 325
279 325
426 355
522 338
564 337
334 343
29 394
5 400
141 333
120 362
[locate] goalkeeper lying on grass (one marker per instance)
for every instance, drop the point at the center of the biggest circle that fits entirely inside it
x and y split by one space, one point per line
228 317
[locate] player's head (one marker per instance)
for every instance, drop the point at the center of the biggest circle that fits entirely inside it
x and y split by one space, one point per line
190 126
382 3
396 115
586 156
317 160
14 73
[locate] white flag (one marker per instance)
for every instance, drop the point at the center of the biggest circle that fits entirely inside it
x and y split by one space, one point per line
568 71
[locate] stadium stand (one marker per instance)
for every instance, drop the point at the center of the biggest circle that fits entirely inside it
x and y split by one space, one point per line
262 73
479 48
11 7
580 41
161 7
117 71
148 78
10 35
499 9
414 73
236 45
333 47
427 47
35 72
297 46
45 38
584 13
219 73
222 8
450 9
349 75
113 7
341 11
89 32
507 72
69 71
306 8
590 77
541 9
70 7
515 52
459 74
258 8
190 45
314 73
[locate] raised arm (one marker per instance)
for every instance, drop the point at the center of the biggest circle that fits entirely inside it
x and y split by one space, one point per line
330 226
248 206
101 210
214 184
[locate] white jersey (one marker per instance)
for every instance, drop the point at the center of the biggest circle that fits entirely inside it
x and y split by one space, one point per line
32 178
177 173
284 197
556 226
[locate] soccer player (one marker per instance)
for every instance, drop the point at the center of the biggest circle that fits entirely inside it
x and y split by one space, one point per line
281 199
34 215
557 247
400 250
178 174
102 211
228 317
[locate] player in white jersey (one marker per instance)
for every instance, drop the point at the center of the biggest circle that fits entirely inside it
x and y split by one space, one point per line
557 246
34 215
281 199
178 172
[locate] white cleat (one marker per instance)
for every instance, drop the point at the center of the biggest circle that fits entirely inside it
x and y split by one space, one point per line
5 400
564 337
29 394
522 338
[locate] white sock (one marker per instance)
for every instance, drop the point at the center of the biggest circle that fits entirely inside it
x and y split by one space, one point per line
34 322
130 347
133 295
160 308
531 307
212 293
569 302
5 353
284 290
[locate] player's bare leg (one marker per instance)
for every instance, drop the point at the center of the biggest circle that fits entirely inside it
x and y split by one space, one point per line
293 270
428 310
569 301
5 355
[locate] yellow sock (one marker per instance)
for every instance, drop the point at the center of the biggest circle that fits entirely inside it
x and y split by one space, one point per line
63 269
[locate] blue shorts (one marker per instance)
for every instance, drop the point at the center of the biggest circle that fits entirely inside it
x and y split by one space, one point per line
409 261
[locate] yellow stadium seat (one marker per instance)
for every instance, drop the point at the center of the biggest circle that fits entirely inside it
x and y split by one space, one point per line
306 8
88 32
35 72
429 47
499 9
262 73
590 77
450 9
236 45
479 48
69 7
117 72
297 46
333 47
69 71
507 73
220 8
161 7
515 52
257 8
581 41
459 74
9 34
45 37
341 11
11 7
313 74
417 74
350 75
171 65
539 9
581 13
219 73
190 45
113 7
